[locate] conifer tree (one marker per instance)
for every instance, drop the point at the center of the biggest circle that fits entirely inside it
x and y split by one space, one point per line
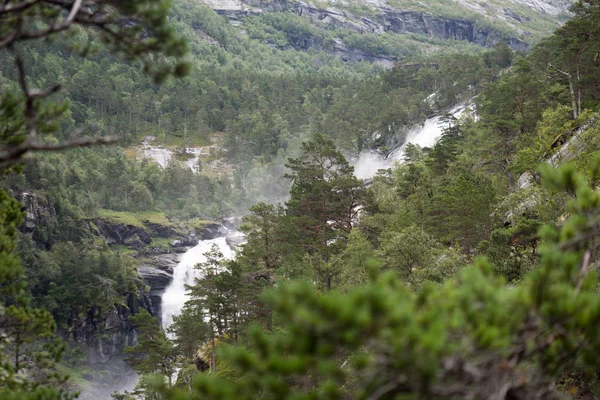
28 349
473 337
136 30
154 353
325 198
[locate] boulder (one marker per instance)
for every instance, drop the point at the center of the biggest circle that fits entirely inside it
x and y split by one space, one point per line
155 278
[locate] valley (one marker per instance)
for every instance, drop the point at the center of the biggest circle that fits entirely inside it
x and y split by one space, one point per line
287 199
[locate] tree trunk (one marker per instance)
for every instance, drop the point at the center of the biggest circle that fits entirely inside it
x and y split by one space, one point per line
573 99
213 354
571 88
578 91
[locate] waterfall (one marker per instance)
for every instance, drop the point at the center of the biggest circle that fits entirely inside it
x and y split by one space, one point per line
425 135
185 273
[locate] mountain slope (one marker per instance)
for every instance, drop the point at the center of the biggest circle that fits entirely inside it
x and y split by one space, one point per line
518 22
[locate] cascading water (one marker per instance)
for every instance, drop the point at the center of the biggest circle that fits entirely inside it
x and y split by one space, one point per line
185 273
369 161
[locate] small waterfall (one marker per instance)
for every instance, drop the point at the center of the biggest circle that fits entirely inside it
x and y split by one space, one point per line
185 273
426 135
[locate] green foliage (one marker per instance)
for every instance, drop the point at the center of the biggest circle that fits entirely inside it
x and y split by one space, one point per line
225 297
265 242
75 282
429 327
190 331
324 198
29 351
472 336
153 353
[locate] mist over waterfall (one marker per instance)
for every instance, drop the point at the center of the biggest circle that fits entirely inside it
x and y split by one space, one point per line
175 296
425 135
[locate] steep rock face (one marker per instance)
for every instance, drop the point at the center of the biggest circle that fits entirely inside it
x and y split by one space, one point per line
129 235
104 338
37 209
387 18
158 280
574 145
161 231
40 217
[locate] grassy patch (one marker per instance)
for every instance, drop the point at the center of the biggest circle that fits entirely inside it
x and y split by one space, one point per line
179 141
143 219
162 243
120 217
124 250
194 224
154 217
198 224
134 219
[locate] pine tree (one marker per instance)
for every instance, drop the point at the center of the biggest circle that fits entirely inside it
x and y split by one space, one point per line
27 112
325 198
265 241
28 350
473 337
154 353
136 30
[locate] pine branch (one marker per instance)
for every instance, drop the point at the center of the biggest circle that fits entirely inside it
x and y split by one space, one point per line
14 155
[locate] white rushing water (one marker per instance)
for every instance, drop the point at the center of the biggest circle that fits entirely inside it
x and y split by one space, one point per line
185 273
426 135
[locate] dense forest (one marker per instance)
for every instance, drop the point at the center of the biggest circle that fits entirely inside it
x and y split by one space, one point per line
466 270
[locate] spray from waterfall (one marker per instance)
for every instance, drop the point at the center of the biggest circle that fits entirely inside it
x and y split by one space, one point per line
426 135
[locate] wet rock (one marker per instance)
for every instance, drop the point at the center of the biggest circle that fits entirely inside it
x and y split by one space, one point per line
181 250
166 262
162 231
189 240
212 231
232 223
